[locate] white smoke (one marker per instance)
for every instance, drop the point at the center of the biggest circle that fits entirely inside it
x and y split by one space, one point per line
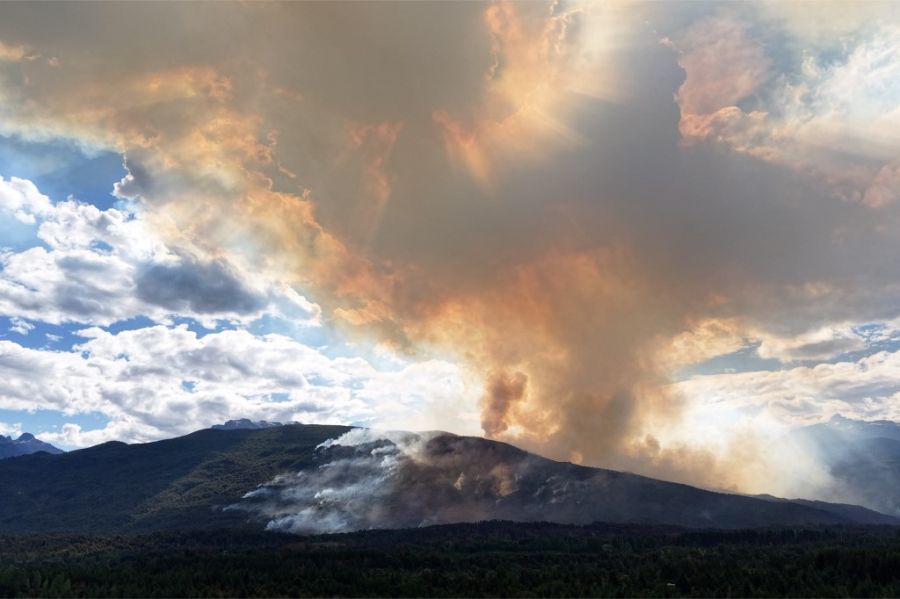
349 490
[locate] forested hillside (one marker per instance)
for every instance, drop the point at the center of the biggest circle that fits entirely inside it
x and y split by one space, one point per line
487 559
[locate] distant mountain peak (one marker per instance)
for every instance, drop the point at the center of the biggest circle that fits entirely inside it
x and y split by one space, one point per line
245 423
865 428
24 445
839 419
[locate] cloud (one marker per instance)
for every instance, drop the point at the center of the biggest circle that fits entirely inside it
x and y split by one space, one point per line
137 378
102 266
821 344
865 389
10 430
23 200
17 325
191 287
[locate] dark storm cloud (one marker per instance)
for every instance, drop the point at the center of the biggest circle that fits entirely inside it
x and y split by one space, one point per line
194 286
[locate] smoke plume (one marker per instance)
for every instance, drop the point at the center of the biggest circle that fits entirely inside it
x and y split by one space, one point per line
567 199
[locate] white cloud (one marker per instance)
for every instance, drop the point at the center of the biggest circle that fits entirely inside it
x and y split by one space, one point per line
10 430
17 325
821 344
102 266
161 381
22 199
868 388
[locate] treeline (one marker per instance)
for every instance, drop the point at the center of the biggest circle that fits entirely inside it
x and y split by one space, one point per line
487 559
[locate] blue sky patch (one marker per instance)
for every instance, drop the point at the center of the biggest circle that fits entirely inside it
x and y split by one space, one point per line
62 168
746 359
41 335
51 421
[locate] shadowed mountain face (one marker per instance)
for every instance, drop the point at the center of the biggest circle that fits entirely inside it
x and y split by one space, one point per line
26 444
171 484
863 459
304 478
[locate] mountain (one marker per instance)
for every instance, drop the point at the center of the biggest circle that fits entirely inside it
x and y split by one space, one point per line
309 478
24 445
862 457
244 423
175 483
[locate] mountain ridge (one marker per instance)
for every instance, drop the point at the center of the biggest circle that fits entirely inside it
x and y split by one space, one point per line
25 444
244 423
208 479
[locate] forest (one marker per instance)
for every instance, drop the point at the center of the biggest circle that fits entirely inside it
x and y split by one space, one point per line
502 559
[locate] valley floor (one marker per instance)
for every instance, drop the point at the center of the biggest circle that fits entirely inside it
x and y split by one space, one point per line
486 559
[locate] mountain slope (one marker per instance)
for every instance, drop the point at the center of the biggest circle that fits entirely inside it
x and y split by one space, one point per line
26 444
863 458
368 481
167 484
199 481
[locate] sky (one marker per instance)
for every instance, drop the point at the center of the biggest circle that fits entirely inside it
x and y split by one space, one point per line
640 235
